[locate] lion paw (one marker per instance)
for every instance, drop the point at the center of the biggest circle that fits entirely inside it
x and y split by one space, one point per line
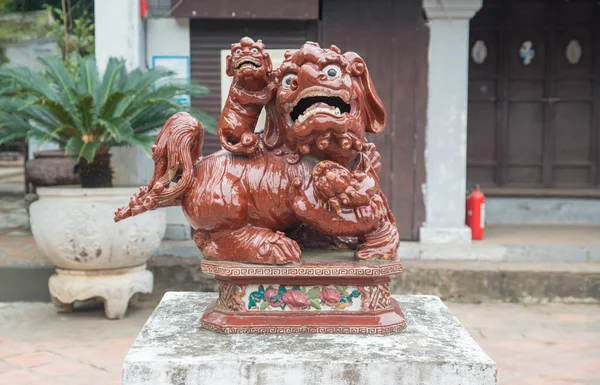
383 253
279 249
339 187
381 244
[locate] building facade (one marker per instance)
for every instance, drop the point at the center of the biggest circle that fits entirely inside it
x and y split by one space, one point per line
499 93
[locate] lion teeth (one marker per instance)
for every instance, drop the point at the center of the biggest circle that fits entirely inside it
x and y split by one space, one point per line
314 111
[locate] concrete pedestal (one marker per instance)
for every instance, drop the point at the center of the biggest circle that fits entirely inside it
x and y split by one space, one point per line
434 349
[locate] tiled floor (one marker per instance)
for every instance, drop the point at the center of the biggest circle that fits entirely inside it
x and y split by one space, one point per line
538 344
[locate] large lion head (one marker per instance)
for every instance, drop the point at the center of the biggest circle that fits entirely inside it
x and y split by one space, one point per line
325 103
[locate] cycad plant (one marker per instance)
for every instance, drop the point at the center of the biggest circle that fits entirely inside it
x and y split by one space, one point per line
86 113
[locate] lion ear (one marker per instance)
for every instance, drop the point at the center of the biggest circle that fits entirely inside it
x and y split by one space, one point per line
229 66
376 116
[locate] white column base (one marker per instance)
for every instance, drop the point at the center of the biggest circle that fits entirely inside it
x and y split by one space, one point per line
115 287
445 234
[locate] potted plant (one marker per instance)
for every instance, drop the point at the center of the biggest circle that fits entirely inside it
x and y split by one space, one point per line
73 31
88 114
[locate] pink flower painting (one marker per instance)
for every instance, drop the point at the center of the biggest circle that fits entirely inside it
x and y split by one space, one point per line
295 299
270 293
329 296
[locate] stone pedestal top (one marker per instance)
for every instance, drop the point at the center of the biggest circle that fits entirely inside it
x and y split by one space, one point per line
434 349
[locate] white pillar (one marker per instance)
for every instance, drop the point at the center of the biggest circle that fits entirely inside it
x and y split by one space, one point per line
119 33
446 137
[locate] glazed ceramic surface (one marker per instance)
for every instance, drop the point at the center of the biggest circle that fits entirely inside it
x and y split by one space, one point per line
313 165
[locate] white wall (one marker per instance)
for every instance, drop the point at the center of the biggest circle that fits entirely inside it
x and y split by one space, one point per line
27 54
167 37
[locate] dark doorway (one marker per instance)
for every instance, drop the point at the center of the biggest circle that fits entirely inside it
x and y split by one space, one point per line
533 95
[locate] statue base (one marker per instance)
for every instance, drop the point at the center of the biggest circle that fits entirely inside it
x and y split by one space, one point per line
325 293
436 349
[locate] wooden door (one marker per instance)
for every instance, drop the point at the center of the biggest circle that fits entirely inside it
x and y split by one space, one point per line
532 99
392 38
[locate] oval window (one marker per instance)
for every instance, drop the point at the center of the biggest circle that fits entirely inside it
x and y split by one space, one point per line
479 52
573 52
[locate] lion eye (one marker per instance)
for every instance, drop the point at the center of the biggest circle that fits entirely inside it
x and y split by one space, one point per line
287 81
254 50
238 51
332 71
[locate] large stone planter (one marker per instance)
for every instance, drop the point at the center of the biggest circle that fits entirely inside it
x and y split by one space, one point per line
51 168
95 257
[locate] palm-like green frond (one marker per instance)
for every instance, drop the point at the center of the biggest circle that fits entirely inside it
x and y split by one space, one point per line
83 110
141 87
119 130
88 76
12 127
80 149
112 80
24 80
56 111
112 103
62 80
15 127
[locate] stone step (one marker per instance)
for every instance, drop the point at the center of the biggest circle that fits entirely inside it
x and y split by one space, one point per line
544 210
462 281
526 282
523 264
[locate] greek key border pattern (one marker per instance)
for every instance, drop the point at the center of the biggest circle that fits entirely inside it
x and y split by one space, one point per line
304 329
216 268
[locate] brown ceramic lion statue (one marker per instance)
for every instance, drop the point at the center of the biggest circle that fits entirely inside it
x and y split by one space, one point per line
315 168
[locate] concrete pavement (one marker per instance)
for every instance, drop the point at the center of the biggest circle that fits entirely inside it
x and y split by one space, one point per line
548 344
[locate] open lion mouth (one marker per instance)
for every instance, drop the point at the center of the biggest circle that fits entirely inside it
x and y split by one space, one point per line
312 105
247 63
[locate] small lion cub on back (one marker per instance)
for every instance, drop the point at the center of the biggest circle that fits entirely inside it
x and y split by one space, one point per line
251 89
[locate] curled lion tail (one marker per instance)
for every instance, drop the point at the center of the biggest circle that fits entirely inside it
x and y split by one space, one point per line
177 146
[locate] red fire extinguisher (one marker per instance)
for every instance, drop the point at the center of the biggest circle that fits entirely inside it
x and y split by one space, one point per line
475 217
144 9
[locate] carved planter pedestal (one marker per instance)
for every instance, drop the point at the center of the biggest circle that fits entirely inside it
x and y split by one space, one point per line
317 295
73 227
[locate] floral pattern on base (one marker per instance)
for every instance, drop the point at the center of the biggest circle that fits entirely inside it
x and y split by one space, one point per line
302 298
